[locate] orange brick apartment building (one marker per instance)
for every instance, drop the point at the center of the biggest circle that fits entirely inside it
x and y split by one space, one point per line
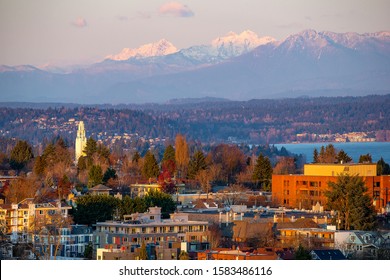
303 191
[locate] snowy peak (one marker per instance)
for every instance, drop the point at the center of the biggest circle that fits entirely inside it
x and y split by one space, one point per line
233 44
160 48
247 38
306 39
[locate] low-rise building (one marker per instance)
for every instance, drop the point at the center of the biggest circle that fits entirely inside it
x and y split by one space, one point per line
21 218
150 228
308 190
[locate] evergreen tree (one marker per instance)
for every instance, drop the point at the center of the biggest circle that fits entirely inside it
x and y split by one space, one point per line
20 155
263 172
168 162
302 254
315 156
354 207
90 147
365 158
150 168
196 164
95 176
133 205
94 208
327 154
169 154
109 174
382 167
343 157
160 199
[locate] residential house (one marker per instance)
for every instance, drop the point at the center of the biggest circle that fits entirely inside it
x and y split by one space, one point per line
359 244
100 190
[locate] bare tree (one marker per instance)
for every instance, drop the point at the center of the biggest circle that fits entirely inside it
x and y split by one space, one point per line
47 231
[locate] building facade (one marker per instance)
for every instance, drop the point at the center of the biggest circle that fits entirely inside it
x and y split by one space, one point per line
19 219
150 228
308 190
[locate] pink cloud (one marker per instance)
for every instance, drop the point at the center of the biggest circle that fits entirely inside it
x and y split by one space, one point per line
175 9
79 22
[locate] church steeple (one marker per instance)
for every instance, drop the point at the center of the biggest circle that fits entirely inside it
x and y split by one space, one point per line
81 141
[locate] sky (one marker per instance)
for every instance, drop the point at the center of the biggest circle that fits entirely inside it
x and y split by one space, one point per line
58 32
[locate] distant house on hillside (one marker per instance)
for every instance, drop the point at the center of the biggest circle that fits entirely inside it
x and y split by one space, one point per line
100 190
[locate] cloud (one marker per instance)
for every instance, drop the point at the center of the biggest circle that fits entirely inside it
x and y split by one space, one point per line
175 9
79 22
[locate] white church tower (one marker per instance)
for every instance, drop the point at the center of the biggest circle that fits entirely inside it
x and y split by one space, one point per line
81 141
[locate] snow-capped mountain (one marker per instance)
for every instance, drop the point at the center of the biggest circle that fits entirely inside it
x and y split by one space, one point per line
160 48
237 44
221 48
306 63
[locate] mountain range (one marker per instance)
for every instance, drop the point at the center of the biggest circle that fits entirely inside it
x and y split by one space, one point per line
236 66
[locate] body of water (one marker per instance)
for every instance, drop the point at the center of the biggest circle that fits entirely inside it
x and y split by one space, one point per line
353 149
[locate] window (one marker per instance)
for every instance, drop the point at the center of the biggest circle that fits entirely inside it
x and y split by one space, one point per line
152 217
313 184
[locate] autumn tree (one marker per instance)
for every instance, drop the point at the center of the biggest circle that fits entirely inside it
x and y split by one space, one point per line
21 154
285 165
54 164
136 157
166 183
21 188
46 232
231 159
182 155
204 178
348 196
